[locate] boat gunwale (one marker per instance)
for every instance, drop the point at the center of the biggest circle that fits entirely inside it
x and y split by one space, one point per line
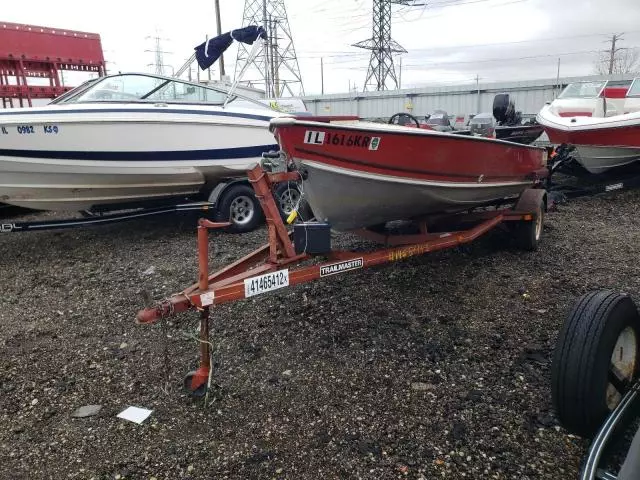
293 121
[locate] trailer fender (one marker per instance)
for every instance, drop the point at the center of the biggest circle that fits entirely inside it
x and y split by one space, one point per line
223 186
531 199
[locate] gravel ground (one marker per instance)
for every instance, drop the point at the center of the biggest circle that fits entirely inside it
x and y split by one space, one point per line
435 367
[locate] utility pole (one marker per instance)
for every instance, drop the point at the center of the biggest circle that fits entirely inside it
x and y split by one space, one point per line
558 78
208 69
400 75
219 25
322 76
478 89
267 51
275 62
614 51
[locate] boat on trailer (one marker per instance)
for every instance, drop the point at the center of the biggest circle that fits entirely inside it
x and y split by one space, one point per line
306 254
600 119
126 138
360 174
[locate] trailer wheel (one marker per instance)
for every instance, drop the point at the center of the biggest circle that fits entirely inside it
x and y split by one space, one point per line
287 195
240 206
199 392
595 360
529 233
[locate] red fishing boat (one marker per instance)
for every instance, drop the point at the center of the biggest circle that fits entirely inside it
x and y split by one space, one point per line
359 174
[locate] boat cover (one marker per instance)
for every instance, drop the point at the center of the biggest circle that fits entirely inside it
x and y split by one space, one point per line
208 52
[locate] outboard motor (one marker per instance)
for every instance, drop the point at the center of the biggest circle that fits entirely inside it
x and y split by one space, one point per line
504 110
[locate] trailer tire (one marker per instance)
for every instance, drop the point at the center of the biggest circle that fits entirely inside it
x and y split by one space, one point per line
239 206
528 234
599 324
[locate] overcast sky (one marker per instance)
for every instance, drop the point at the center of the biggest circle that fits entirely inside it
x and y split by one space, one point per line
449 41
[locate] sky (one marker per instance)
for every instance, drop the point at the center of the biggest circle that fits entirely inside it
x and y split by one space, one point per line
449 42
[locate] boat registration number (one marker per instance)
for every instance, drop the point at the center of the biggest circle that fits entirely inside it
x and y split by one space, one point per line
325 138
266 283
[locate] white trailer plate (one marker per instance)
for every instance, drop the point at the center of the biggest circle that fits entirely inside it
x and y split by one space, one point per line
266 283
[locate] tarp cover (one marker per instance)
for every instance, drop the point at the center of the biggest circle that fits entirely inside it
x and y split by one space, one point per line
208 52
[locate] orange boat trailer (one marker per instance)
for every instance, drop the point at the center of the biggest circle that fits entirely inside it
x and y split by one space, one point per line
276 265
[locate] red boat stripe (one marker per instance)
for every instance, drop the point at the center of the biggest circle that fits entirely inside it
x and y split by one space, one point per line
390 170
575 114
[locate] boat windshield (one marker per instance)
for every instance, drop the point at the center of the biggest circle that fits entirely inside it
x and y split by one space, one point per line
583 90
438 119
482 119
634 90
150 88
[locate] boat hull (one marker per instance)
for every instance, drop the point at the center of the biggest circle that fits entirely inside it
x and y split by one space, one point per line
601 143
344 197
96 157
599 159
373 174
525 134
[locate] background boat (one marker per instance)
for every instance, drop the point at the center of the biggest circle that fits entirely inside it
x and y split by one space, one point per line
600 119
126 138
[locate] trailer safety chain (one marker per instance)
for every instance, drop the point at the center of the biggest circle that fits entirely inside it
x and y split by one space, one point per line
165 356
164 320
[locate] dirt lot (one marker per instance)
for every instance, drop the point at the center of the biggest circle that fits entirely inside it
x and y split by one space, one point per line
436 367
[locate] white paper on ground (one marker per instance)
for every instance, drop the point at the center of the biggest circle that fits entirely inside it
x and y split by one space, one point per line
135 414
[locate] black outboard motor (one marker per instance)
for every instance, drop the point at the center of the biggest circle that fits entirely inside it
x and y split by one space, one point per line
504 111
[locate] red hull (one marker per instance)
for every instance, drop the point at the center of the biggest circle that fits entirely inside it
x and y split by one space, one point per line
628 136
364 174
412 153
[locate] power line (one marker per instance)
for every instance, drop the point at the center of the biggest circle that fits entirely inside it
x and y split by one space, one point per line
613 52
341 54
502 59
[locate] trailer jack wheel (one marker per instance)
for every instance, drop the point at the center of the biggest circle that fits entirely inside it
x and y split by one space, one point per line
597 359
198 378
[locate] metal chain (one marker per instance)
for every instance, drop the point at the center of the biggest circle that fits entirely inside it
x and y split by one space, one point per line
164 320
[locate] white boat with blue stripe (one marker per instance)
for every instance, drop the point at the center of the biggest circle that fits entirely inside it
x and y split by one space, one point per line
126 138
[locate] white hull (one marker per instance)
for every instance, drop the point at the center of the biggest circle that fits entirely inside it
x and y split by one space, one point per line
374 199
600 143
105 154
549 117
597 159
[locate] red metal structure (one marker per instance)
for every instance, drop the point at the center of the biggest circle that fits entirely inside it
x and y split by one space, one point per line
30 51
277 265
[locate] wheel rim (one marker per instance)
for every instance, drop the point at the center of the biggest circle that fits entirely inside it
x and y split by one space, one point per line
539 223
242 210
623 361
288 200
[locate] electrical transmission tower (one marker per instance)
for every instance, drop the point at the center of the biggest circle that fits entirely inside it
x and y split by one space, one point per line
158 64
276 67
381 66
